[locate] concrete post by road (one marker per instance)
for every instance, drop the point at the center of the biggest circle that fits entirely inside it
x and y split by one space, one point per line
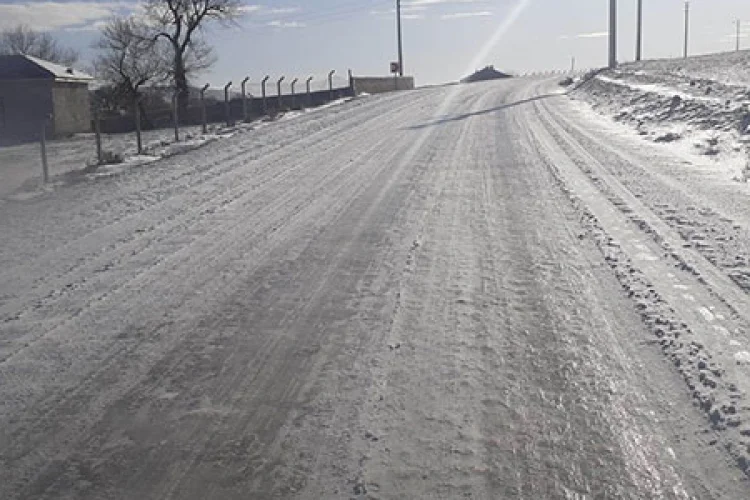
244 98
176 115
294 97
204 118
263 93
98 135
138 138
612 33
227 105
43 147
330 84
278 91
309 94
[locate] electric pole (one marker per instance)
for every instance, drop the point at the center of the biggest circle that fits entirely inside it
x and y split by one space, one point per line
400 46
687 27
739 29
612 33
639 32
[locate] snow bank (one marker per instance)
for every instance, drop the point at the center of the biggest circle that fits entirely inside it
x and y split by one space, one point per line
700 105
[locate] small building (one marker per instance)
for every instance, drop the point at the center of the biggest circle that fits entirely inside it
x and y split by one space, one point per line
32 90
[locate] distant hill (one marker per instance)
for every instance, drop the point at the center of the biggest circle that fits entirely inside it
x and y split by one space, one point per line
485 74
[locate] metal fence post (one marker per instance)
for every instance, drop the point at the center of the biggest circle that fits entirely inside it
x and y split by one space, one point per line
330 84
227 106
309 94
263 91
244 98
176 116
98 135
294 100
278 90
138 139
43 146
204 118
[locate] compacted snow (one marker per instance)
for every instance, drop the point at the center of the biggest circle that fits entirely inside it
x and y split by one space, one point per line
480 291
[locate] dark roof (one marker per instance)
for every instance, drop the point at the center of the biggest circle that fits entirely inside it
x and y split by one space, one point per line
488 73
23 67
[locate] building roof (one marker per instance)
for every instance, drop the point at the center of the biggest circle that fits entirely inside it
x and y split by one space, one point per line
23 67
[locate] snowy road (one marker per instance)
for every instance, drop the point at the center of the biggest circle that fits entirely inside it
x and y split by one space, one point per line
458 292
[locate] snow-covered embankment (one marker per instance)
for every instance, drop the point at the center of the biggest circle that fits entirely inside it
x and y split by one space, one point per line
699 105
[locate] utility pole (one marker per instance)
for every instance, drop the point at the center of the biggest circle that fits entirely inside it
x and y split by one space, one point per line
687 27
400 46
612 33
639 33
739 30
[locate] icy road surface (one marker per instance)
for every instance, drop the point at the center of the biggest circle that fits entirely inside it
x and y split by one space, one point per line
457 292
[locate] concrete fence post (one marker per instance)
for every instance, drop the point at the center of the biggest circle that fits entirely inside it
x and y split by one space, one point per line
227 105
294 100
330 84
43 147
278 91
263 92
98 135
176 115
138 138
204 118
309 94
244 98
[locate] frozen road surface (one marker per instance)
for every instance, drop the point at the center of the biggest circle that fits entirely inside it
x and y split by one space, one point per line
462 292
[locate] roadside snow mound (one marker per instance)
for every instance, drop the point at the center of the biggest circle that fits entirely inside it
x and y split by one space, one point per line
700 104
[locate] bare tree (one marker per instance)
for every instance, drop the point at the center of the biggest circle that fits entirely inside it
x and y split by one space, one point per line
130 59
180 23
24 40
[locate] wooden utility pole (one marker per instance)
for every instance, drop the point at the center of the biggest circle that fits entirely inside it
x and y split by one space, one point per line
639 33
739 31
612 33
687 28
400 43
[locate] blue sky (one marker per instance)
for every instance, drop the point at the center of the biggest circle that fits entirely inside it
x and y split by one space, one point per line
443 39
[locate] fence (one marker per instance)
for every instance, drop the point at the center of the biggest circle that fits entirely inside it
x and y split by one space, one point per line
234 110
154 117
